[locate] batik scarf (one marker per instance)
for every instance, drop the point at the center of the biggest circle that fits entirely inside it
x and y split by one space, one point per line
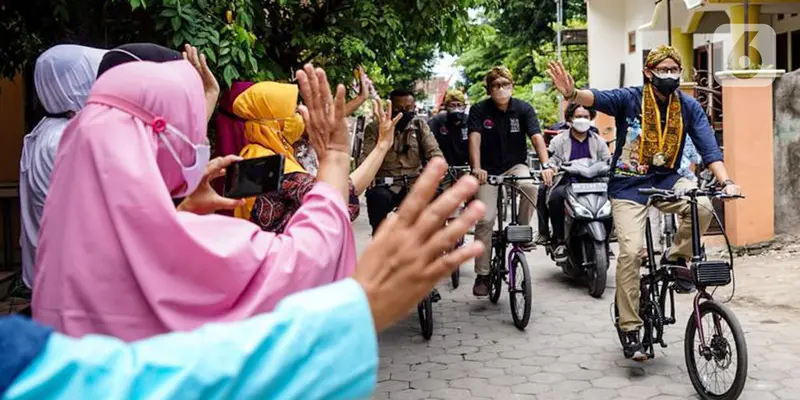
654 139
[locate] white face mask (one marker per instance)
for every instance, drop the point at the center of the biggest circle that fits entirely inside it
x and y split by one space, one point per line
581 124
192 174
501 96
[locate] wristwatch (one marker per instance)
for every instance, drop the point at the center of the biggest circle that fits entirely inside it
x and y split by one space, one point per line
546 166
727 182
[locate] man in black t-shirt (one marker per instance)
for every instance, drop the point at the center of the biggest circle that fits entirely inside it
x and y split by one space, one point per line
450 129
498 128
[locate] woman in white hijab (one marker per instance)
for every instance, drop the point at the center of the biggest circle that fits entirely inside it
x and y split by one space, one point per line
63 76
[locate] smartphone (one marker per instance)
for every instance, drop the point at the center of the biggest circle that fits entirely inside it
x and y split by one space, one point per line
254 176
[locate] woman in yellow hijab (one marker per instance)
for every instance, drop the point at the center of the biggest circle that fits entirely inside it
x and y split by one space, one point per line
272 125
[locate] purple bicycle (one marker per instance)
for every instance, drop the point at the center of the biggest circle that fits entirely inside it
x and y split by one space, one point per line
511 266
715 349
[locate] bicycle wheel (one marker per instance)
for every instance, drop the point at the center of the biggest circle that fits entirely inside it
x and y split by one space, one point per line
425 312
455 277
521 287
495 280
596 276
721 351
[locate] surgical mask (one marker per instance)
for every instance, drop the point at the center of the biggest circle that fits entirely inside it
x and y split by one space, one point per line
404 120
666 84
192 174
581 124
293 128
501 96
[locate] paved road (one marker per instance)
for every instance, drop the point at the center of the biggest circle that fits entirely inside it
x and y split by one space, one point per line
568 351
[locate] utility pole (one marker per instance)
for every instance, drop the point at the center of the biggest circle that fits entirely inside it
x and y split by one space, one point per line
746 33
560 21
669 22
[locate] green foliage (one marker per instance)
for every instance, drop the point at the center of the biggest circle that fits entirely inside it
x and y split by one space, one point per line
396 40
525 53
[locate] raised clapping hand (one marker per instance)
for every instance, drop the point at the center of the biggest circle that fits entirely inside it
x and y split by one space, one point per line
562 80
210 84
407 255
323 114
385 123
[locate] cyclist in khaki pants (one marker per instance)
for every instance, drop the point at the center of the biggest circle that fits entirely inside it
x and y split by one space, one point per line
653 122
498 128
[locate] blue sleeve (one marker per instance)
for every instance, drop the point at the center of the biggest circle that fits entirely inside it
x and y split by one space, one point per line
318 344
702 134
611 102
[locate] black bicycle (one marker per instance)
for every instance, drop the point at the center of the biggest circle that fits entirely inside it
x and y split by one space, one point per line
722 351
425 307
518 277
453 174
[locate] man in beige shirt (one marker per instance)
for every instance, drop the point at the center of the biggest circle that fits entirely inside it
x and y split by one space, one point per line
413 146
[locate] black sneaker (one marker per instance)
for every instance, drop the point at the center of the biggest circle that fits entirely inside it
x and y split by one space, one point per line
481 287
542 239
632 347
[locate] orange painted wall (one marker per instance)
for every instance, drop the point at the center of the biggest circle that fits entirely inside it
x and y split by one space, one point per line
748 137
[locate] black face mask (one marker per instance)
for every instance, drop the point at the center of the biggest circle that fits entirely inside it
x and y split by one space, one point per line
666 86
404 120
456 117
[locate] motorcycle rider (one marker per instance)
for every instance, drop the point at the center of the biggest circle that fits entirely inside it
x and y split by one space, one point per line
652 124
498 129
571 144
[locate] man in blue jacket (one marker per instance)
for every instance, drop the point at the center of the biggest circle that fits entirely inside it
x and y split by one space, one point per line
653 122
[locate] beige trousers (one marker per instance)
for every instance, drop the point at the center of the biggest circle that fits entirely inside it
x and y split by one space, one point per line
488 195
629 221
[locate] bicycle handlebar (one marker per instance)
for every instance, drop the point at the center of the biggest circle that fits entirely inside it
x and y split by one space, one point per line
664 194
500 179
403 180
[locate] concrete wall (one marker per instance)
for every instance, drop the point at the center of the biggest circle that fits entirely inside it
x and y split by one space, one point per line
787 153
607 42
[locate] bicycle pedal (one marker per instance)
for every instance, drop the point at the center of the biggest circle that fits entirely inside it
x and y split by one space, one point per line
435 297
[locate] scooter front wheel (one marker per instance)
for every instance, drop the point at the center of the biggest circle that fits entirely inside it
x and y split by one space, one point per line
596 275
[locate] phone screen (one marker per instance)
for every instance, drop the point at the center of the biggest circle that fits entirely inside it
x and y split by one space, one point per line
253 177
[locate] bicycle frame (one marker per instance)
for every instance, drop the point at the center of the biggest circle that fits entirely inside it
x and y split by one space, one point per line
663 275
499 241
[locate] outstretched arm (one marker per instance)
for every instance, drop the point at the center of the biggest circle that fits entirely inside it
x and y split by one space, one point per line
365 173
317 344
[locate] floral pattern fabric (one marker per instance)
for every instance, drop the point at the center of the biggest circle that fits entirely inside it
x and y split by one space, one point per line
273 211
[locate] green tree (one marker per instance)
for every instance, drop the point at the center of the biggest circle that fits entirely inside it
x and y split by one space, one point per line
490 47
396 40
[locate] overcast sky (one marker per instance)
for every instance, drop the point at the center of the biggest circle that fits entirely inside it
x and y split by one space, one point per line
445 68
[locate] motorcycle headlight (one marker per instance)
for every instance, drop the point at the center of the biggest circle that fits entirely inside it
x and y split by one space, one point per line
605 210
581 211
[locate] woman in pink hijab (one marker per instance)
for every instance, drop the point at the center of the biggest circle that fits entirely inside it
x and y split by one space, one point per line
115 257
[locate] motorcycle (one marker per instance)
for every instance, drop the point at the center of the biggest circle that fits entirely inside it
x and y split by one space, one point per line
587 223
